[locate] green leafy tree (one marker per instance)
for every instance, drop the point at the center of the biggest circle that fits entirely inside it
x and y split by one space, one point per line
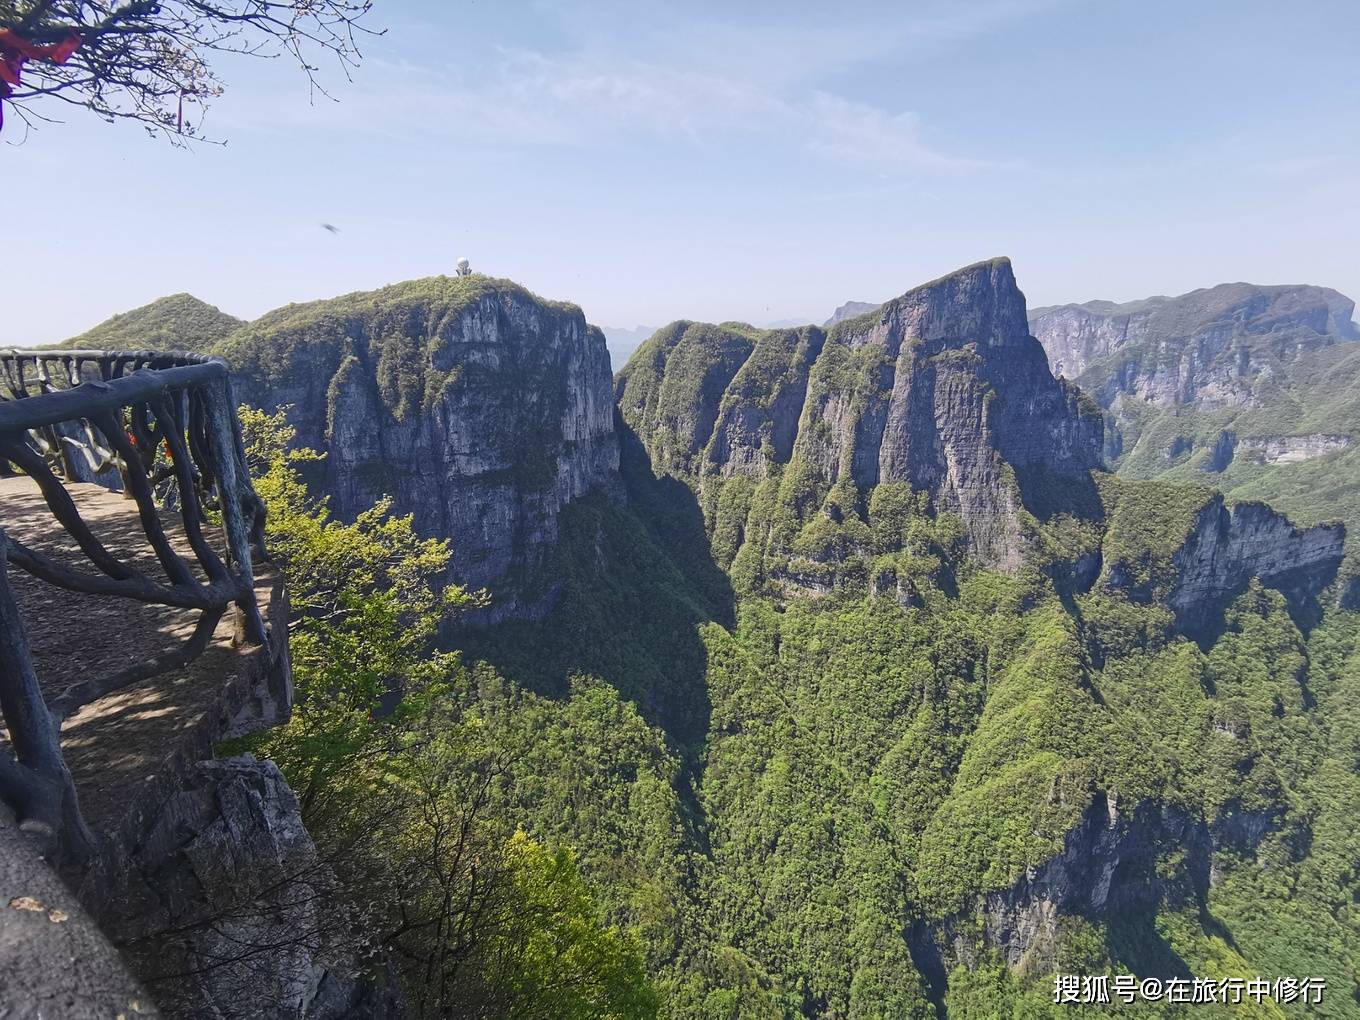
395 776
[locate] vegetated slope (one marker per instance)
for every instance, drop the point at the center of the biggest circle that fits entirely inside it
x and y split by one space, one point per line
179 322
1250 389
937 706
477 406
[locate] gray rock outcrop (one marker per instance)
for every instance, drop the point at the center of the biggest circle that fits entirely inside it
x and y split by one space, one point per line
1113 866
1291 449
57 962
850 310
942 388
233 913
479 408
1213 347
1231 545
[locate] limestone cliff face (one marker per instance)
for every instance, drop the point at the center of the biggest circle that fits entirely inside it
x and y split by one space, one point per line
1197 561
950 393
942 388
1214 347
478 407
230 891
1231 545
1115 864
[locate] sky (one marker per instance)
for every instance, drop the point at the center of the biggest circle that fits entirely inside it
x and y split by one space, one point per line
758 161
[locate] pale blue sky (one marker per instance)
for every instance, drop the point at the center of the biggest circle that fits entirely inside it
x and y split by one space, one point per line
756 161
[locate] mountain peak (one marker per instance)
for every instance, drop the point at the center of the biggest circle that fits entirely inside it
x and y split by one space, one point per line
179 322
980 303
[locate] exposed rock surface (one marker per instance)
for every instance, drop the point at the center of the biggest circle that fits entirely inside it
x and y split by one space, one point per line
942 388
1291 449
57 962
231 909
1213 346
1231 545
1111 868
1249 388
1199 559
478 407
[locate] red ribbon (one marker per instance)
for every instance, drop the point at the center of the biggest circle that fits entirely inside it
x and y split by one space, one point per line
16 50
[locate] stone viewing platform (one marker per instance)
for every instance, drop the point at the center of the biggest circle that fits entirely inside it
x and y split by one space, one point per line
140 624
117 746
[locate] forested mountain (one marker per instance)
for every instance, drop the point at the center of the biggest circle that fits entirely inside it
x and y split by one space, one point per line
1246 388
178 322
934 771
854 681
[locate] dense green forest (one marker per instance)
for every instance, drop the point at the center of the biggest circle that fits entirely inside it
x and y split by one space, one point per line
786 807
783 747
869 770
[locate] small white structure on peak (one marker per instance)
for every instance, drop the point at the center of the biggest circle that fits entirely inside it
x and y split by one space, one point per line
463 268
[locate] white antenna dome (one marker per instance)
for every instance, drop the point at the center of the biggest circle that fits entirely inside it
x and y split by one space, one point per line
464 267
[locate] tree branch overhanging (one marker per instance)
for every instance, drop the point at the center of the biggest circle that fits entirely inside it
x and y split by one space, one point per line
149 61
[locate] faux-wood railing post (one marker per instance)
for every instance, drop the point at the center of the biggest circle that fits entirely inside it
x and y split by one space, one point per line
141 403
36 777
237 500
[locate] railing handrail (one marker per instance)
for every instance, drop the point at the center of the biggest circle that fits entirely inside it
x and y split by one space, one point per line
91 354
97 397
156 417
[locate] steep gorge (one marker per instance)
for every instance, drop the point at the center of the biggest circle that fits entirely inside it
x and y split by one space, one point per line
857 684
794 439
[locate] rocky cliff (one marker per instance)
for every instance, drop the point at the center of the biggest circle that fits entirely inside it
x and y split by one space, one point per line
1230 545
807 447
1212 346
1193 552
1112 866
1250 389
477 406
942 389
231 911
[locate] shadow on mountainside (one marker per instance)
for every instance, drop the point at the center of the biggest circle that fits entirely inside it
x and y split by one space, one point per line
637 583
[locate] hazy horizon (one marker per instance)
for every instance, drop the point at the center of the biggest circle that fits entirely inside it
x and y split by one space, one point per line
651 162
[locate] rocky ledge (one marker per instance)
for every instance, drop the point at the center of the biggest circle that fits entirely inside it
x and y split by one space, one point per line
1117 866
1230 545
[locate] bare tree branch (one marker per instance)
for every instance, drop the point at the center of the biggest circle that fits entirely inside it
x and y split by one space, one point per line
149 61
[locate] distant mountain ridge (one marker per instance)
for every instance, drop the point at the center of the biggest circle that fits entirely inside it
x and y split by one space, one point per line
623 342
1080 337
1252 389
849 310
